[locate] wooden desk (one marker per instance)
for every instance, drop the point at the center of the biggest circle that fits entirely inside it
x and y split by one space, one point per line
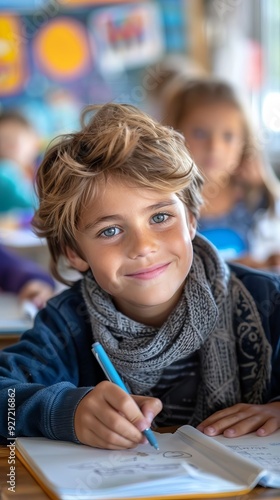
8 339
27 488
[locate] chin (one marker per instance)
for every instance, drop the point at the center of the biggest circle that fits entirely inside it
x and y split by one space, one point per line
155 300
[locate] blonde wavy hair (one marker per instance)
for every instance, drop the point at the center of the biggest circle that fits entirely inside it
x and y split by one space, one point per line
115 140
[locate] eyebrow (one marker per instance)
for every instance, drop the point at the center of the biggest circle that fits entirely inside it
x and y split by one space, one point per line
117 217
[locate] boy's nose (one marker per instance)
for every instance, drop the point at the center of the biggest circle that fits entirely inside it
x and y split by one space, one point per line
142 243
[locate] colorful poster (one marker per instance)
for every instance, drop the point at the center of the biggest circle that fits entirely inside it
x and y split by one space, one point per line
83 3
21 6
61 55
127 36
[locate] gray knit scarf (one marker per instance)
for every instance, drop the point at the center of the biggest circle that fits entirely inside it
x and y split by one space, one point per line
215 315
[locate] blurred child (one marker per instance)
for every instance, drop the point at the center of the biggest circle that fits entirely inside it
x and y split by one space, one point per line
24 278
186 331
19 141
239 184
19 146
159 74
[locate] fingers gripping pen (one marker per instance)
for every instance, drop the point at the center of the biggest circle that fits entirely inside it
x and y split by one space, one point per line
112 375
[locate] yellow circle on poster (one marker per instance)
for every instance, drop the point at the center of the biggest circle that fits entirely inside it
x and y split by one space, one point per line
62 49
13 61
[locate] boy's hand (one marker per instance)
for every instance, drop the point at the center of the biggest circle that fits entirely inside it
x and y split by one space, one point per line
109 418
243 418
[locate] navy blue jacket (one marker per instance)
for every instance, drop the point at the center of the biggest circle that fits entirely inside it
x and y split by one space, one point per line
52 367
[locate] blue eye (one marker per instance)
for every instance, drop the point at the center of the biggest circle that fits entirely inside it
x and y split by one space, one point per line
110 231
158 218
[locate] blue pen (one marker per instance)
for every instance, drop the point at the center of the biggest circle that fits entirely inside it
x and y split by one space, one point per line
112 375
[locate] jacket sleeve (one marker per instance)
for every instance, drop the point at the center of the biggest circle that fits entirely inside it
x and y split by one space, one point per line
42 372
15 272
265 289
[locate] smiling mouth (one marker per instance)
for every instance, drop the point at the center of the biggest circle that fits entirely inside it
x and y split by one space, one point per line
150 273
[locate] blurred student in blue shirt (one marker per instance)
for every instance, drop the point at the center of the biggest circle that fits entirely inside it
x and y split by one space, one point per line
19 147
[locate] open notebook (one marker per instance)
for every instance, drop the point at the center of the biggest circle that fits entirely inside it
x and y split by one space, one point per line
188 463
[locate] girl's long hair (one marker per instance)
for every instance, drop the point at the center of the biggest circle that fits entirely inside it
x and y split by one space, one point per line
179 98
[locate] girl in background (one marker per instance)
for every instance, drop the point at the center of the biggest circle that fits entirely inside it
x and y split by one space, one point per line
239 184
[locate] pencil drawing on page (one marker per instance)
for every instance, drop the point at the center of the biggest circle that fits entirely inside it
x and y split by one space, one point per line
135 463
132 468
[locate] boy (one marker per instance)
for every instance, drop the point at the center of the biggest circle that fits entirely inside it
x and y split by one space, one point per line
120 200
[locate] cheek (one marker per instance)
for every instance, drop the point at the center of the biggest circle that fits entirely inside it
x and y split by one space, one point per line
185 256
198 151
101 265
104 268
103 277
182 242
233 155
238 151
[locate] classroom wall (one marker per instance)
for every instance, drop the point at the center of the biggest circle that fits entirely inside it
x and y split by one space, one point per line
58 55
67 54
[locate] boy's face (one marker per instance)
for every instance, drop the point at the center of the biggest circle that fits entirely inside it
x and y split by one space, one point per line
138 244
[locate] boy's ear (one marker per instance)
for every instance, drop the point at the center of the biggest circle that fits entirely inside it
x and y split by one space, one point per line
192 224
76 261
